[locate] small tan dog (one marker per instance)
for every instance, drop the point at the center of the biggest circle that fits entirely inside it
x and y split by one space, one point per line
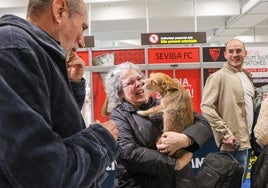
175 104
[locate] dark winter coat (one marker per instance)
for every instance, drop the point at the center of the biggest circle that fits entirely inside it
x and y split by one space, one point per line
43 140
139 163
259 171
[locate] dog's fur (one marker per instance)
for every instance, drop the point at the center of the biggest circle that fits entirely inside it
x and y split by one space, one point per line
175 104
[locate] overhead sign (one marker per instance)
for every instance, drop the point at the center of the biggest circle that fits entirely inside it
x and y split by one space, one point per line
173 38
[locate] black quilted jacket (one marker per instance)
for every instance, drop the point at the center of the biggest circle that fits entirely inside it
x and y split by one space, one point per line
259 171
139 164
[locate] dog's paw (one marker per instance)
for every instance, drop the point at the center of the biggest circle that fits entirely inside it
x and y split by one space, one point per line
141 112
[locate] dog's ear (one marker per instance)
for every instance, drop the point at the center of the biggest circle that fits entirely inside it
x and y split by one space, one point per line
170 84
164 85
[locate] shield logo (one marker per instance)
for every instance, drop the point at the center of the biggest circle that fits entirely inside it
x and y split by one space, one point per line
214 53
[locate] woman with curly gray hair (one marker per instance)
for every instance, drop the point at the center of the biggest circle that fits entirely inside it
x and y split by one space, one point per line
113 84
140 164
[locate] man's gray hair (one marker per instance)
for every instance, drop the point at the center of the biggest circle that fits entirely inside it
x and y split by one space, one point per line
36 7
113 85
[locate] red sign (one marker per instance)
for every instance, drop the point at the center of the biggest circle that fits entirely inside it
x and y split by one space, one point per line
214 53
119 56
84 55
173 55
99 96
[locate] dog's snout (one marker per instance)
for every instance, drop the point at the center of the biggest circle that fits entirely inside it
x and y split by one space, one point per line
142 83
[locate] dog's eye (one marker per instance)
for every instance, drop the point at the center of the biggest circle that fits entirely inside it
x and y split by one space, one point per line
153 82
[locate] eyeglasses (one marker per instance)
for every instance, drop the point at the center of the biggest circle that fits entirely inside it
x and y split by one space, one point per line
133 82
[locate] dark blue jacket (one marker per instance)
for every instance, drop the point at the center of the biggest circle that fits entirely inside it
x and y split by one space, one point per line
43 139
140 164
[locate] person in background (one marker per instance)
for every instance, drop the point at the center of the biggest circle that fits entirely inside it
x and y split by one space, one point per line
43 139
261 127
259 171
260 94
142 164
227 103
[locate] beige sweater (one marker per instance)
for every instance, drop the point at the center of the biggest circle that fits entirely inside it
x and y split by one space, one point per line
223 105
261 127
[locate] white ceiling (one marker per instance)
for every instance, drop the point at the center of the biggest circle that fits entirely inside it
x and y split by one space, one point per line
119 23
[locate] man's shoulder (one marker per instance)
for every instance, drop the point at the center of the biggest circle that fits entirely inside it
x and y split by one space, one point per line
216 75
12 33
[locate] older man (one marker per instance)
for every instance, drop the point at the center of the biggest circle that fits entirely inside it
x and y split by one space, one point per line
43 139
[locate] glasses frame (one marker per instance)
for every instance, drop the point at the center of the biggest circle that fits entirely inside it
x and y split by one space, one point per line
133 82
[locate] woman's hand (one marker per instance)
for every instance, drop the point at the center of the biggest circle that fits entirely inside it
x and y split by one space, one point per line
172 141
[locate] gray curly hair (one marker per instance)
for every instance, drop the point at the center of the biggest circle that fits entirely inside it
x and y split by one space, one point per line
113 85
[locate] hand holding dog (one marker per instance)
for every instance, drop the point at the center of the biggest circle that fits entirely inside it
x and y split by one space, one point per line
172 141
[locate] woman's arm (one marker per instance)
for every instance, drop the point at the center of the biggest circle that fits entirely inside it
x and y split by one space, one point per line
200 131
136 156
192 138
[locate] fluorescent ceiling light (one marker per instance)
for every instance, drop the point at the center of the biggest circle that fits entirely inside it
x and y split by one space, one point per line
104 1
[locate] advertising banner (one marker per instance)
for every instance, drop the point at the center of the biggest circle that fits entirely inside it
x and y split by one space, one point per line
173 55
256 62
213 54
136 56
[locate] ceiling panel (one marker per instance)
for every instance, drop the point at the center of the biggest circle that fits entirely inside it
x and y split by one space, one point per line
248 21
260 8
232 32
119 22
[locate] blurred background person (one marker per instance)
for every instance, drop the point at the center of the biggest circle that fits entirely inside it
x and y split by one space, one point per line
259 171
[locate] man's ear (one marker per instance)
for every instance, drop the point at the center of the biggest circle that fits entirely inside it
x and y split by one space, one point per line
225 55
59 7
246 52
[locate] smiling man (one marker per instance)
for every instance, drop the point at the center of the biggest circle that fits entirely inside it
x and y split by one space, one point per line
227 103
